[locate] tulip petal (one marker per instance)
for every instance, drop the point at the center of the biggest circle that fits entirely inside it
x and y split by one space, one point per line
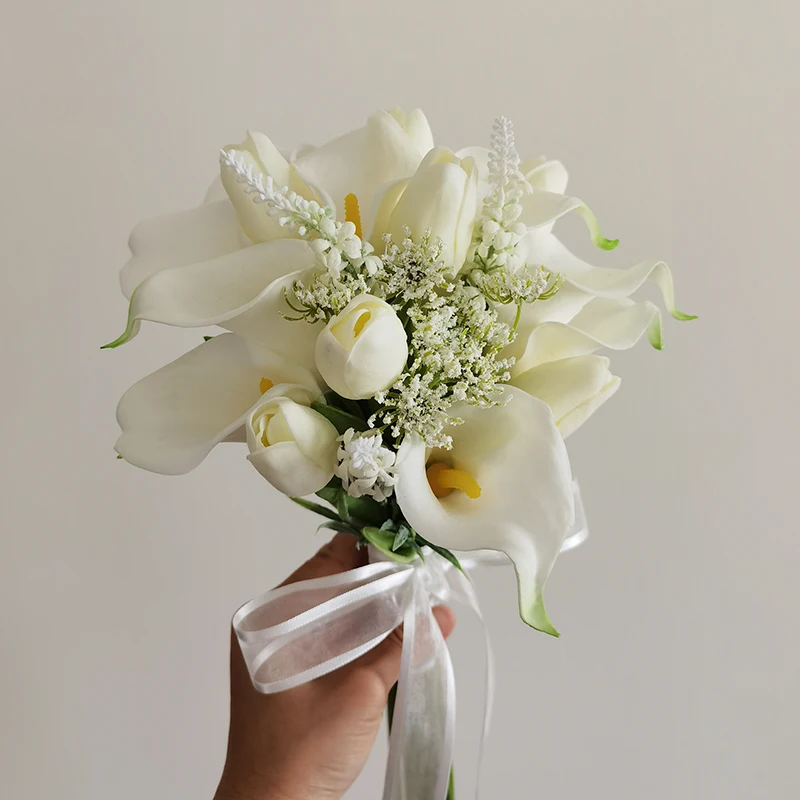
171 419
526 506
574 388
602 281
230 291
290 471
542 209
199 234
387 199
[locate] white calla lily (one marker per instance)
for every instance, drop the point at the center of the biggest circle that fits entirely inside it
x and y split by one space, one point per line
512 460
258 152
291 445
172 419
574 388
544 206
615 324
362 350
388 148
244 292
200 234
442 197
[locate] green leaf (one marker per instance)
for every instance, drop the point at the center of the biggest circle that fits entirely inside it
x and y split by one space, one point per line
207 338
362 509
316 508
119 457
331 492
341 420
341 507
400 538
442 551
339 527
388 525
383 541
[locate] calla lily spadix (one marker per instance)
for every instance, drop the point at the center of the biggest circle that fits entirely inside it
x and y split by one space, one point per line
525 506
172 419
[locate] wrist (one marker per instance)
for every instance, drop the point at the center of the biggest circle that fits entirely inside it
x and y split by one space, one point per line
254 789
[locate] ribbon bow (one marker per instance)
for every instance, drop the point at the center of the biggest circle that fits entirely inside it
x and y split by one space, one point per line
296 633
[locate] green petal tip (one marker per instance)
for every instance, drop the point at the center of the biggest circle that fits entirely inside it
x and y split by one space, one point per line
606 244
679 315
537 618
116 343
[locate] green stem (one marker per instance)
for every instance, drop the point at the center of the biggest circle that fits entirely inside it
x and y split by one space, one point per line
390 703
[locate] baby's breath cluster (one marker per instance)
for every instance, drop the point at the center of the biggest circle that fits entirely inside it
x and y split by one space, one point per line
325 294
454 346
413 271
525 285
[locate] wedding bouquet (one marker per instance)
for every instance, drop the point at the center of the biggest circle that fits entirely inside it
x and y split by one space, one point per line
407 340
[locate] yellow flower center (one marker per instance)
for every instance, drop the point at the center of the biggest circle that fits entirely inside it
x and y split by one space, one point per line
443 479
361 322
265 385
351 212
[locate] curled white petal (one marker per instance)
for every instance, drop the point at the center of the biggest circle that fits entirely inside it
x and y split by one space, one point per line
199 234
171 419
242 291
526 507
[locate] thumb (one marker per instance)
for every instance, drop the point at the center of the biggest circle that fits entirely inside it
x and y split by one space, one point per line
385 658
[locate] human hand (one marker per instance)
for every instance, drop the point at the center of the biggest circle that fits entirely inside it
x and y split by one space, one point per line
311 742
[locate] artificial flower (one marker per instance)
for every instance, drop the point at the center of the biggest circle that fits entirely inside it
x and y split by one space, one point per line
172 419
244 292
504 485
574 388
362 350
291 445
366 465
594 301
441 197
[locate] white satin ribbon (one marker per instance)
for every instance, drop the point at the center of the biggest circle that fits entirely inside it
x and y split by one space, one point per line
296 633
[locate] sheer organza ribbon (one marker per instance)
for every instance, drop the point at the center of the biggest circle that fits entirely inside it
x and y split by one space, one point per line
296 633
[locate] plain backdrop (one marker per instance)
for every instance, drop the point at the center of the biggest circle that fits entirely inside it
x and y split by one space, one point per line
677 672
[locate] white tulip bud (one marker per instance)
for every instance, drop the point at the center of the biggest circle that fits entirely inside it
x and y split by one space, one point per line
363 350
292 446
442 196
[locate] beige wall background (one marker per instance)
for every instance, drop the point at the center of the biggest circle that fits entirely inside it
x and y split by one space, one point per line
677 672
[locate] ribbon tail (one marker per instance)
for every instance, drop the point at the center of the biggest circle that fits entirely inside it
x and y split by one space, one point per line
423 728
463 591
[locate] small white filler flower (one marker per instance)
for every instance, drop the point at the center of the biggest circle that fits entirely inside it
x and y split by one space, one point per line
365 466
